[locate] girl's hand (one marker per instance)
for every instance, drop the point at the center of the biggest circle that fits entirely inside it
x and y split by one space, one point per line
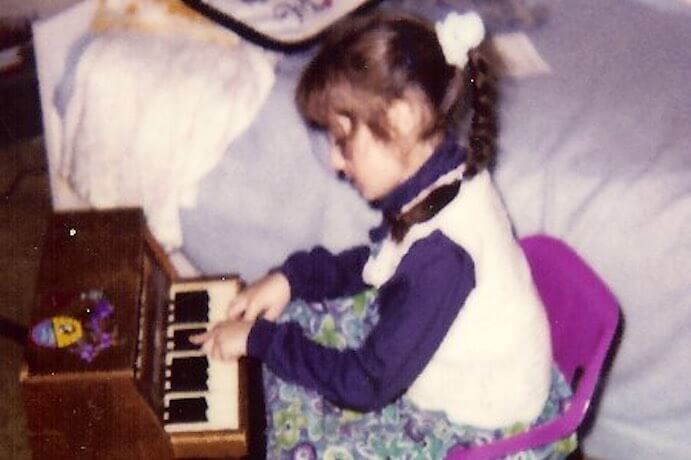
226 341
267 297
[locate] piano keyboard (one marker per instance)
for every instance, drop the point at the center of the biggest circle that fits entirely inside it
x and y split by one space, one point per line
200 394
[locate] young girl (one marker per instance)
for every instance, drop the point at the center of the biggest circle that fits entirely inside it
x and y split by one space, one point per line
453 335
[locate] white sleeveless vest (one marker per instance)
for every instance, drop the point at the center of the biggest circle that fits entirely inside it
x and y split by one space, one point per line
493 367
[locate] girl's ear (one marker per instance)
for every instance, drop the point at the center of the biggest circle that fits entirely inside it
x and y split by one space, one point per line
408 115
403 116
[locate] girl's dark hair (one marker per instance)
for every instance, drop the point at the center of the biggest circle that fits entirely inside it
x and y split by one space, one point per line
366 62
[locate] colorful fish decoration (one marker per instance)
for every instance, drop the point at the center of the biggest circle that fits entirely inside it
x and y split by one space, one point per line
86 337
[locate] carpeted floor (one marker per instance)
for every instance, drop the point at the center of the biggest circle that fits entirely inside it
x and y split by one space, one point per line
24 207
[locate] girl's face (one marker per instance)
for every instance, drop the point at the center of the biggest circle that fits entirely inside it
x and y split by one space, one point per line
373 166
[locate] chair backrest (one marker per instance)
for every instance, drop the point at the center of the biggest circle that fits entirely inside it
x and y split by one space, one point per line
583 318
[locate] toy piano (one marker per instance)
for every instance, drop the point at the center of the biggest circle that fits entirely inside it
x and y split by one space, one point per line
110 372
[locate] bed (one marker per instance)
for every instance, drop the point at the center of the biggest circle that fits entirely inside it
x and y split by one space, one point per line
595 149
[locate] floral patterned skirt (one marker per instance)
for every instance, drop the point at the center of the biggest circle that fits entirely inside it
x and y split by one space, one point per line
301 424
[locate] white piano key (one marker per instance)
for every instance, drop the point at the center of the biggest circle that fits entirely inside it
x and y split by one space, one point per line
221 375
171 355
219 417
222 412
170 330
221 292
223 395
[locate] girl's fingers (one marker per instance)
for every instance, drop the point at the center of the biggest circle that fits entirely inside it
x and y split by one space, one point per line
207 347
253 312
273 313
219 342
217 350
198 339
235 309
248 316
238 308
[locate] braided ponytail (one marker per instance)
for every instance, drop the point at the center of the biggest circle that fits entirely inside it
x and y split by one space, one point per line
483 95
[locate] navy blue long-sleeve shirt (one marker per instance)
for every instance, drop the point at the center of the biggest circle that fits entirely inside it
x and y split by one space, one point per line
416 308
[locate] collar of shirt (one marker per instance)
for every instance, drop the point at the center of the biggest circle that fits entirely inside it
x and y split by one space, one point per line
446 157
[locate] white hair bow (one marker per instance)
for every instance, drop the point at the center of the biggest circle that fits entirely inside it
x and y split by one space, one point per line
458 34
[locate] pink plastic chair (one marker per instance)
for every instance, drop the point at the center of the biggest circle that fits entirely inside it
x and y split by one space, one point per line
583 318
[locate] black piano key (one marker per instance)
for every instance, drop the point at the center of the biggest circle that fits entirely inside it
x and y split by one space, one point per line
189 374
191 307
187 410
181 339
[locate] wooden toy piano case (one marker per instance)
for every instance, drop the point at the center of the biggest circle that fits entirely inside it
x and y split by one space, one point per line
109 371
